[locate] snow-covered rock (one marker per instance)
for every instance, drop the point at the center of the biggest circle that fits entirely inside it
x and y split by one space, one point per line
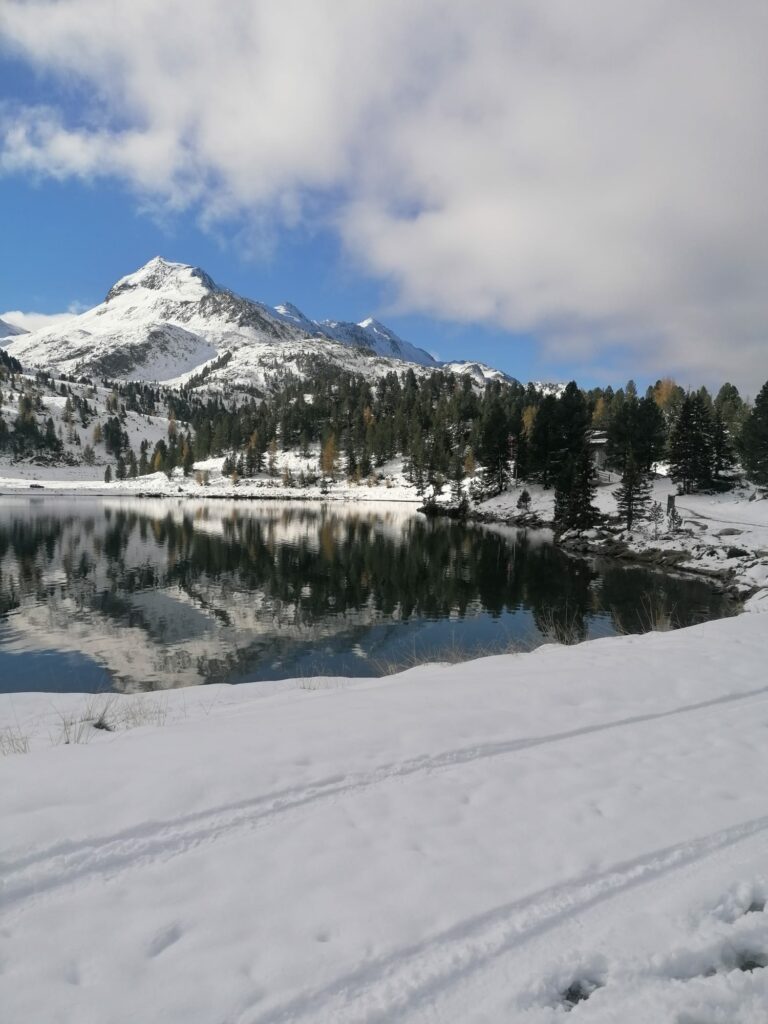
480 373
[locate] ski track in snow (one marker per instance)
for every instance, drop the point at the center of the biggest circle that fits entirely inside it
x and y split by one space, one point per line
719 519
385 991
59 867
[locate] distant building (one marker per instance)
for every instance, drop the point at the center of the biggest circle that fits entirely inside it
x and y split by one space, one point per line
598 446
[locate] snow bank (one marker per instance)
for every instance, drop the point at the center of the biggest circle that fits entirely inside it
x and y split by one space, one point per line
486 842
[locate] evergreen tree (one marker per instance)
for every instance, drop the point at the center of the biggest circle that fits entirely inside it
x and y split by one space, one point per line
656 515
723 452
732 408
754 440
187 456
691 445
634 493
494 451
636 429
108 475
575 492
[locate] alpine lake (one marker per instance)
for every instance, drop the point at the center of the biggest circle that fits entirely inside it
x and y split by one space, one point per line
132 594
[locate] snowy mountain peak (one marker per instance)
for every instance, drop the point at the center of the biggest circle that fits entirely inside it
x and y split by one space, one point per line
373 326
181 282
288 311
170 322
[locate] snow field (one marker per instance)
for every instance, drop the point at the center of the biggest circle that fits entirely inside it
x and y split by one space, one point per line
481 842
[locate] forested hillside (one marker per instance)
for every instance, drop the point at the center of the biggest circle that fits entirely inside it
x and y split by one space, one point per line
458 440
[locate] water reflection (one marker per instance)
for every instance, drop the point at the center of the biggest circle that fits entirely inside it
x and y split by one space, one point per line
141 594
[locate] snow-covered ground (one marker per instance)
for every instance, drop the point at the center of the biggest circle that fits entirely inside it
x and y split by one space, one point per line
476 843
388 483
724 534
483 842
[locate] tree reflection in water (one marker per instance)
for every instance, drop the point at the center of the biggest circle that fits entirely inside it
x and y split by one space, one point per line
175 593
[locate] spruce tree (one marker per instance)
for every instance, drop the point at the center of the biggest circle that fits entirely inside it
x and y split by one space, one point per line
633 494
691 445
575 492
494 451
723 453
656 515
732 408
754 440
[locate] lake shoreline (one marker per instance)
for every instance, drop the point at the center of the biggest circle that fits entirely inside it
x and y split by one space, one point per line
682 552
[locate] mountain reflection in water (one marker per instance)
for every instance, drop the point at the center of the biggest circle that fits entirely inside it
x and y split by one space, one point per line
147 594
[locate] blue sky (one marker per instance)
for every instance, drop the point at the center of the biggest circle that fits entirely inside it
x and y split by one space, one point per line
66 243
560 190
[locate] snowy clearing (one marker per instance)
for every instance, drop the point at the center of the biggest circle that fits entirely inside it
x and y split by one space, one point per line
486 842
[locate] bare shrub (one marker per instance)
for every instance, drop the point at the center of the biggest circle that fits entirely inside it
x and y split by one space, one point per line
13 741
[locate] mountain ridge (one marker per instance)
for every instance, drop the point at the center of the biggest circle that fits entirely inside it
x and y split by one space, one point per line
167 321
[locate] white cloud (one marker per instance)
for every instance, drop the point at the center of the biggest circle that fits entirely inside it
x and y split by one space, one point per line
594 172
34 321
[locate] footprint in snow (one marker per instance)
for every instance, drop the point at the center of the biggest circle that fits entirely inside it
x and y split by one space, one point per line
163 940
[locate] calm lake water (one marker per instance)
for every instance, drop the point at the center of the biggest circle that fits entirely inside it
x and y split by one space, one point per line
138 594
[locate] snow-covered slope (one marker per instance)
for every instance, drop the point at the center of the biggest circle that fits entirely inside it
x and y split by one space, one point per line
375 336
10 330
168 322
500 841
369 335
481 373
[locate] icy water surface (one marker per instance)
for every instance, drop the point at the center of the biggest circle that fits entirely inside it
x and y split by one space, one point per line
133 594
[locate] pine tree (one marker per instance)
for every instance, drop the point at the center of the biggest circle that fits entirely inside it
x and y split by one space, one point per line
754 440
691 445
494 452
108 475
723 453
634 493
575 491
732 408
656 515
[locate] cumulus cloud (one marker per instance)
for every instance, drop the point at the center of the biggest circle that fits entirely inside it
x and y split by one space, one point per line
592 172
35 321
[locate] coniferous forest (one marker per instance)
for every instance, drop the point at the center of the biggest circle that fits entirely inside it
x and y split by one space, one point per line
457 441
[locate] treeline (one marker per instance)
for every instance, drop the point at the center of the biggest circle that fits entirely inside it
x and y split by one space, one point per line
448 433
439 424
